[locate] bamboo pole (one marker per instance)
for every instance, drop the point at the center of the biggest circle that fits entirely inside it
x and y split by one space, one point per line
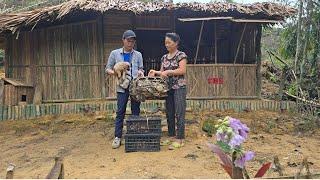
198 45
304 100
239 44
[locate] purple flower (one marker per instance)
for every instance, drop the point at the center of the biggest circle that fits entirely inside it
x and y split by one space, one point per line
238 127
240 162
236 140
221 137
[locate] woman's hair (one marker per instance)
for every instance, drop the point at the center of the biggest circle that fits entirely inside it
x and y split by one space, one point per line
174 37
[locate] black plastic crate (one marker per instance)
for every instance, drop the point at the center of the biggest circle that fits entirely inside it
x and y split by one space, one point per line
142 142
143 125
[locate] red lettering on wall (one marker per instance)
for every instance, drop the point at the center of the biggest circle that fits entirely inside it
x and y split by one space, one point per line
215 80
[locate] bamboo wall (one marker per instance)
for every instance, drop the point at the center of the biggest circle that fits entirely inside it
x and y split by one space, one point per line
221 80
66 61
35 111
114 24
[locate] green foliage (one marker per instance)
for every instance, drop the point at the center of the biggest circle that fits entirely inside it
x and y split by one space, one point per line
273 78
292 89
224 147
209 126
288 40
308 63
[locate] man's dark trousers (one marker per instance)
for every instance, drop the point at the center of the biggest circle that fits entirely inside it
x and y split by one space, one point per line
122 100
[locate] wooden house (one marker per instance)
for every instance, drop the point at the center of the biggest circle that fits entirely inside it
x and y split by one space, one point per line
63 49
16 92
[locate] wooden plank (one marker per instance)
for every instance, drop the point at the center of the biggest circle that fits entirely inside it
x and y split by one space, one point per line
57 171
256 21
203 19
16 82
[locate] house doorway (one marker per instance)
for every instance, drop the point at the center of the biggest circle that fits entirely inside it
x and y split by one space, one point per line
151 44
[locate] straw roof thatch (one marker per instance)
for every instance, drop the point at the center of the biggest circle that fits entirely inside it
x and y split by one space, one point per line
14 22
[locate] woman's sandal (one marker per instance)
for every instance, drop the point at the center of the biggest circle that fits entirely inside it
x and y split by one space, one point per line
176 145
165 142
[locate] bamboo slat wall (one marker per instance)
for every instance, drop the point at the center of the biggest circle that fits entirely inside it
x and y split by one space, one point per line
114 24
66 62
155 22
221 80
35 111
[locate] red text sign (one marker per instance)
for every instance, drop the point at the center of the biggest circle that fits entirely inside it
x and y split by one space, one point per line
215 80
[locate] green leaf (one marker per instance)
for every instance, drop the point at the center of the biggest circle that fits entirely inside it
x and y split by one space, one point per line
225 147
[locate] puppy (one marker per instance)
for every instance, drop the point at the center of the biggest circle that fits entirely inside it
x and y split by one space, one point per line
121 69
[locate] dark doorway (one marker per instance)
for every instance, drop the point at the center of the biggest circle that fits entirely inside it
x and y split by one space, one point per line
151 44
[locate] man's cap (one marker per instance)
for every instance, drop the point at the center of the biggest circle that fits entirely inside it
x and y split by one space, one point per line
128 34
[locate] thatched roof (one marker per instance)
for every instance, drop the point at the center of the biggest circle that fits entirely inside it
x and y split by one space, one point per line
14 22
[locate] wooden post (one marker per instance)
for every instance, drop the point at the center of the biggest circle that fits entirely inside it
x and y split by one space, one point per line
258 53
100 27
215 44
200 34
57 171
10 171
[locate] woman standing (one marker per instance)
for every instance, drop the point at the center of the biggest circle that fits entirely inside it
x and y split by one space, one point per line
173 67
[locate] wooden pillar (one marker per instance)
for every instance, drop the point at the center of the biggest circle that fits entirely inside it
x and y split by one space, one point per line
103 61
258 60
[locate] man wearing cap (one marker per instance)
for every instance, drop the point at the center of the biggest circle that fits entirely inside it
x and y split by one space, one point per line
134 58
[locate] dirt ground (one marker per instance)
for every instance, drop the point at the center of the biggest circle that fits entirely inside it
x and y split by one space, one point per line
85 143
